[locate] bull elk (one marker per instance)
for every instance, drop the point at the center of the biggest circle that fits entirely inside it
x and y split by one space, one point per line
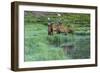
58 28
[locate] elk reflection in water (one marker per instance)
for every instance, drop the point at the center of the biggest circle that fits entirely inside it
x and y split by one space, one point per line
68 49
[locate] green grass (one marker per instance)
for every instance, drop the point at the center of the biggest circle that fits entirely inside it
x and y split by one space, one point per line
39 46
36 44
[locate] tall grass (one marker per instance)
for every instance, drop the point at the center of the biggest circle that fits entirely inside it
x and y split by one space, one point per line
39 46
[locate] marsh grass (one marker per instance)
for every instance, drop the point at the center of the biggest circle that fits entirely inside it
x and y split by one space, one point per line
39 46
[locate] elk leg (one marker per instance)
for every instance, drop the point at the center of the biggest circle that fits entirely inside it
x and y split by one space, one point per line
65 33
58 32
49 30
58 29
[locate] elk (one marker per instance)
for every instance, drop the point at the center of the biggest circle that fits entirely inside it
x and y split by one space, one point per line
58 28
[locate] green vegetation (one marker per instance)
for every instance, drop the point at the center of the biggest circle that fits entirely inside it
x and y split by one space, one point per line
39 46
